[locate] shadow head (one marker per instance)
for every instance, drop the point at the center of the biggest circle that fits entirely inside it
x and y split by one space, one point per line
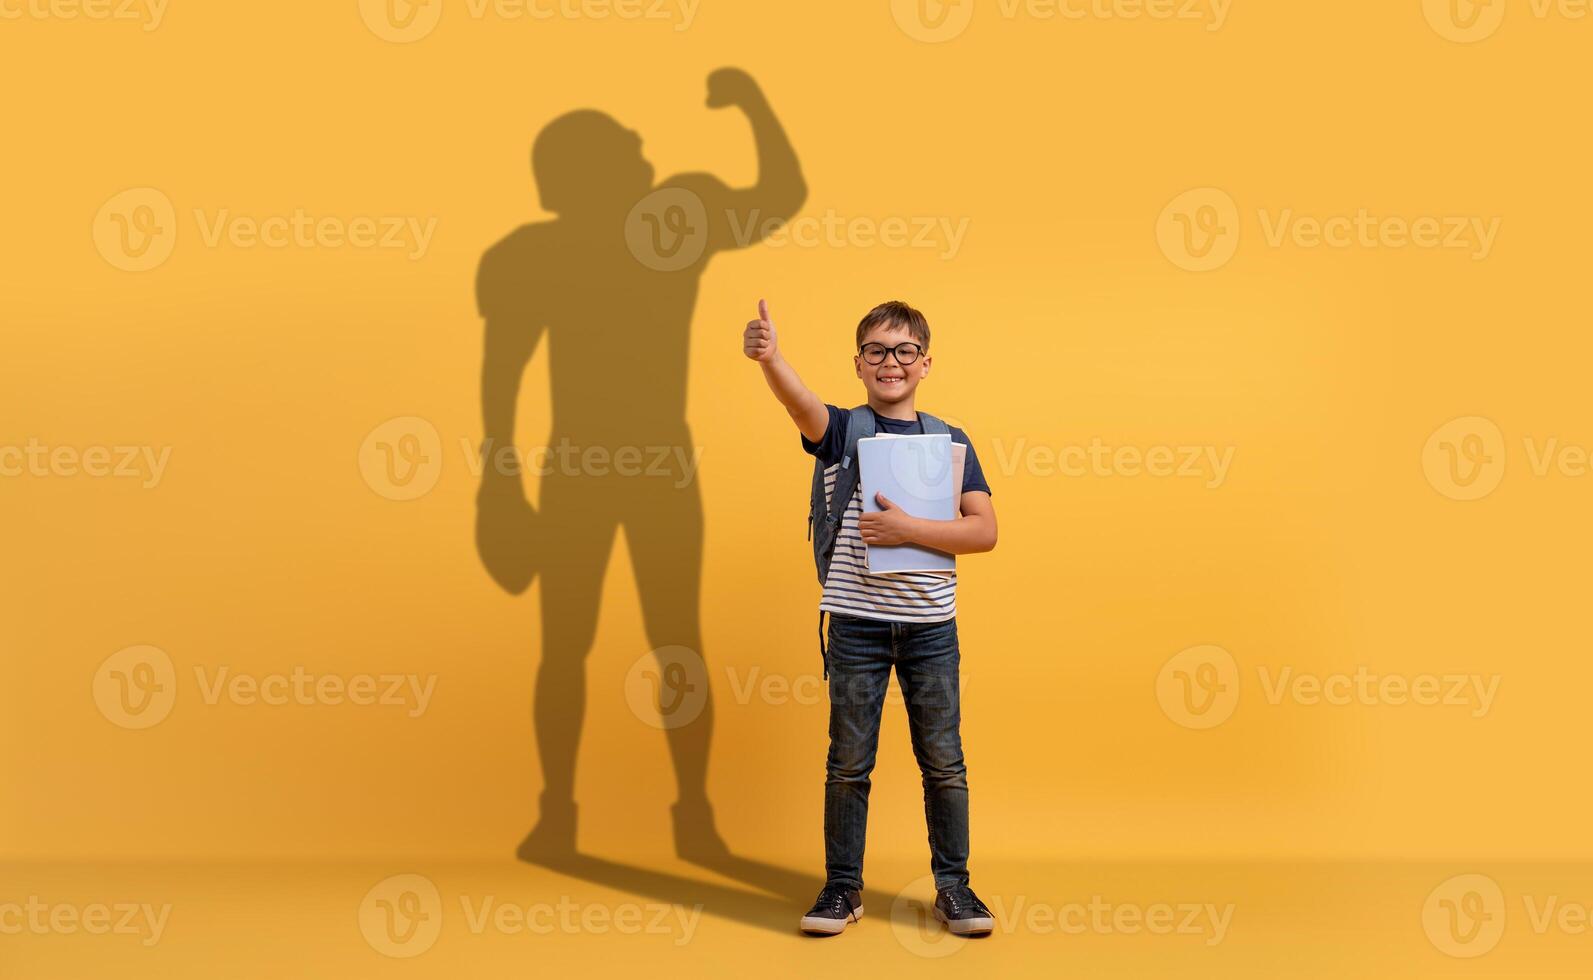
585 163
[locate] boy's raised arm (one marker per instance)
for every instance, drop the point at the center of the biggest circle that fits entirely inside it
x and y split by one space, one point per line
806 410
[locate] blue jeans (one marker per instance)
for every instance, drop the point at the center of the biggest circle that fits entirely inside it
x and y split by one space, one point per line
925 656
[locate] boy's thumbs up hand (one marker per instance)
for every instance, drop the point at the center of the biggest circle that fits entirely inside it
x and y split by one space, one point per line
758 341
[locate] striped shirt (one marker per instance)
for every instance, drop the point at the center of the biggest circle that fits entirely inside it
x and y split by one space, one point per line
850 589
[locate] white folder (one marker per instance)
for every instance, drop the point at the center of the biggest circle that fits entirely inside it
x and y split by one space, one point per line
921 474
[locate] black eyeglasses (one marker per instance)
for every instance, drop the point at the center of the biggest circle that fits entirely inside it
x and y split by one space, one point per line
905 353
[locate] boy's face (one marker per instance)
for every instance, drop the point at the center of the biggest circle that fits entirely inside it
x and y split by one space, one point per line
890 381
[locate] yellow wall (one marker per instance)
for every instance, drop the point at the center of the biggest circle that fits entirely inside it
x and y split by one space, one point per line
1068 313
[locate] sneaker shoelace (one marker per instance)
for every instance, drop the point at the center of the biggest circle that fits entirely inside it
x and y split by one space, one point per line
961 900
833 899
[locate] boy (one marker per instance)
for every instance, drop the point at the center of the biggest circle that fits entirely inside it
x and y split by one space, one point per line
906 621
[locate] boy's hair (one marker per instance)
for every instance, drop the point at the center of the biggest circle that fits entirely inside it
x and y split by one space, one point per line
895 314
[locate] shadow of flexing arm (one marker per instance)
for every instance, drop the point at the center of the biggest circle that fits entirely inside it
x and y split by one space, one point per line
611 282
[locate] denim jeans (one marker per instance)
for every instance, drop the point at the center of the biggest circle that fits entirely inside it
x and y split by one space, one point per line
925 656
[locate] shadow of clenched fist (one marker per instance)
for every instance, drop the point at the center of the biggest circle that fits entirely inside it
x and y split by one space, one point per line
507 535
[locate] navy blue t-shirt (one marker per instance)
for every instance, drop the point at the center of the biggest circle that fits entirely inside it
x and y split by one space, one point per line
832 447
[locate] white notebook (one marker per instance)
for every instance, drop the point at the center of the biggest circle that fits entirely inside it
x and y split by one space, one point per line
921 474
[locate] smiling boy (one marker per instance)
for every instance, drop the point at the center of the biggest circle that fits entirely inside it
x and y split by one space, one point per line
878 622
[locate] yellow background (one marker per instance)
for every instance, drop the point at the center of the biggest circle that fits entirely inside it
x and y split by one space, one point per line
1059 321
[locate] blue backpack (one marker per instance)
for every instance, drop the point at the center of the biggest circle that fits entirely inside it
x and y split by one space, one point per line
824 523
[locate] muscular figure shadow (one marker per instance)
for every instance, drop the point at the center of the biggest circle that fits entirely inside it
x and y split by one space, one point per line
611 283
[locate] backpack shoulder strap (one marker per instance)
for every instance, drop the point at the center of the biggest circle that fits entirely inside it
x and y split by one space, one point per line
933 426
859 425
824 523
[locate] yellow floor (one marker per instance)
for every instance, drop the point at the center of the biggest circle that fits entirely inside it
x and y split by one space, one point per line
673 919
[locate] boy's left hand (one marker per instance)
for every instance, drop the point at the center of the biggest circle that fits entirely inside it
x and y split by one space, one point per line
889 526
